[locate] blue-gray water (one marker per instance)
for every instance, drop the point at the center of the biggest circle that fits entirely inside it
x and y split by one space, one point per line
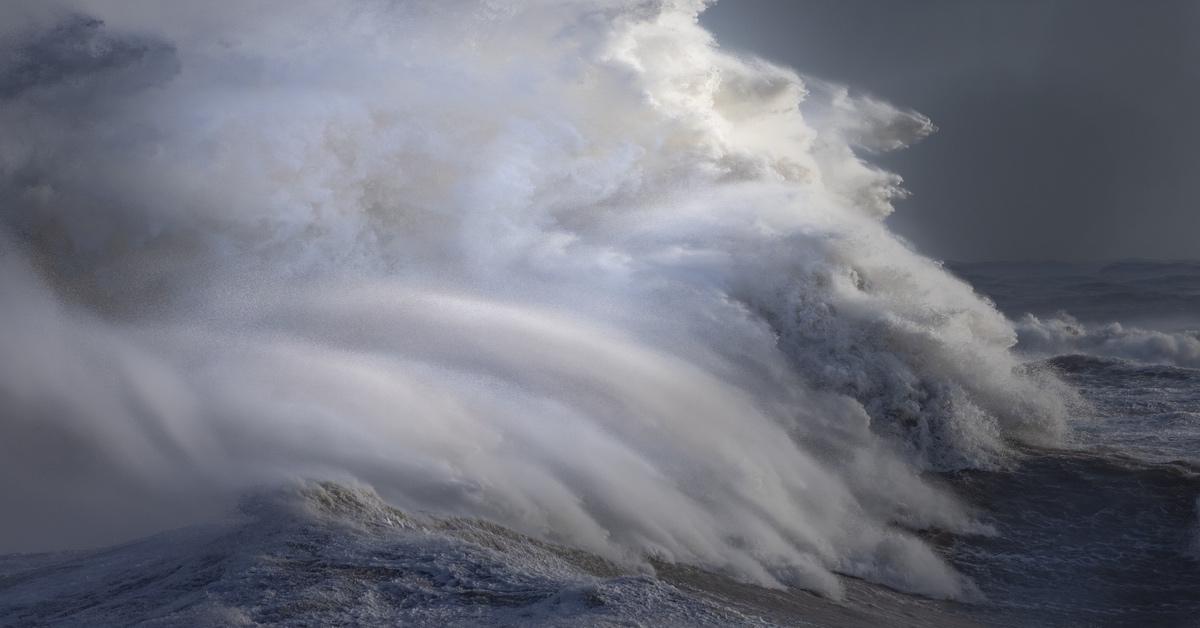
1105 533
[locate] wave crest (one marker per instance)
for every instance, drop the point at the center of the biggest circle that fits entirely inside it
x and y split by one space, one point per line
565 265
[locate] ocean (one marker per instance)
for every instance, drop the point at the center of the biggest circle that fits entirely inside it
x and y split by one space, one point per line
1102 531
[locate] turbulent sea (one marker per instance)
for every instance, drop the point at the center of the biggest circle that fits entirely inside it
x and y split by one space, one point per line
541 312
1099 532
1102 531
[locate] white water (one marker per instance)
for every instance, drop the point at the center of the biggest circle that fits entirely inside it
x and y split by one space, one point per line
564 265
1063 334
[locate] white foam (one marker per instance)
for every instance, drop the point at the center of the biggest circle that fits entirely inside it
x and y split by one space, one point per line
1063 334
565 265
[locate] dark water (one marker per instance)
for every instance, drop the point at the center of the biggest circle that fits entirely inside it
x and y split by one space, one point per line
1104 533
1085 540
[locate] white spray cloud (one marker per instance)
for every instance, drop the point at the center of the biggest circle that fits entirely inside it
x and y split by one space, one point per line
565 265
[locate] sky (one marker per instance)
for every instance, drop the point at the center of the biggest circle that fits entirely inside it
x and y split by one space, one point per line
1068 129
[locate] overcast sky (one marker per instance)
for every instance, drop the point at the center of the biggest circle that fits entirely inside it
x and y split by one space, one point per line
1068 128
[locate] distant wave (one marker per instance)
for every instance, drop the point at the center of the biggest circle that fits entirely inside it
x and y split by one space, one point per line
1063 334
1157 295
564 265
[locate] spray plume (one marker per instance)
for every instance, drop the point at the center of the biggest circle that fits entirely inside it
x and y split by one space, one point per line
568 266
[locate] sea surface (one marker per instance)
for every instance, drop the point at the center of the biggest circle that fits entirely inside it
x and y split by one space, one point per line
1101 532
1105 531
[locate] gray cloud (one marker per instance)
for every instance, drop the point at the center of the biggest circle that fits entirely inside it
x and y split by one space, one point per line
79 50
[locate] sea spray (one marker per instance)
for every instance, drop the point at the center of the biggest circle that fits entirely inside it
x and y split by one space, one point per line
568 266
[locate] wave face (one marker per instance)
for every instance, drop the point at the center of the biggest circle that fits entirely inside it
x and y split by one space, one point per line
1145 411
567 266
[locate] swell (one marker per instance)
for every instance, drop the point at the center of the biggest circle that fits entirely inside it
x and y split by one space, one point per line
1084 364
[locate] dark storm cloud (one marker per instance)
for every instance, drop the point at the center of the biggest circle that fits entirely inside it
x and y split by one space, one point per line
1068 128
79 50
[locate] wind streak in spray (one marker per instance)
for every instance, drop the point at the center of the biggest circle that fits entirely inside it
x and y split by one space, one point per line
564 265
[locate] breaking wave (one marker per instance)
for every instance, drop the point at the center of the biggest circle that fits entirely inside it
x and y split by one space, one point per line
1063 334
567 266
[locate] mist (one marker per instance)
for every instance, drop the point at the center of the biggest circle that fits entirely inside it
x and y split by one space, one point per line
567 266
